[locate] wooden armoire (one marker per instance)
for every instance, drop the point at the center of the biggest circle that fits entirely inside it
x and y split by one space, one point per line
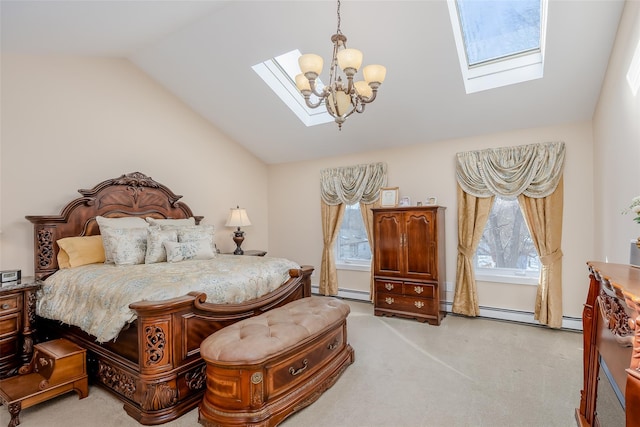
409 263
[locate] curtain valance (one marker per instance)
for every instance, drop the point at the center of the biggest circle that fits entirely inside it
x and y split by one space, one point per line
533 170
353 184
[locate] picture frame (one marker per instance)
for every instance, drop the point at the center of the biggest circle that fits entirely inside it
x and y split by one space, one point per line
431 201
389 197
405 201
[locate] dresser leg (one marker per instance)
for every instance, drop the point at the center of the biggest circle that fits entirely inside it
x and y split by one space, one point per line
14 410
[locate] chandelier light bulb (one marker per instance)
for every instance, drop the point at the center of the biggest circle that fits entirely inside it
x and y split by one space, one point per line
302 83
363 89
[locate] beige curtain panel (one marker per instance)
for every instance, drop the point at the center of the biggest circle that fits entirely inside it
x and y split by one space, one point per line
353 184
533 173
533 170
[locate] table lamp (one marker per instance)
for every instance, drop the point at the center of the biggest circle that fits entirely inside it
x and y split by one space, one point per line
238 218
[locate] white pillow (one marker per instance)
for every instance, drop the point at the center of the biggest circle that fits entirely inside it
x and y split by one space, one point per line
197 232
170 221
119 222
197 249
155 239
128 245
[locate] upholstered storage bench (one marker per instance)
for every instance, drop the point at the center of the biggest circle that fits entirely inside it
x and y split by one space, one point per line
262 369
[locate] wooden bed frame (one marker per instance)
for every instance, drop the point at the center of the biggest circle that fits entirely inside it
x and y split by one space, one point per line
154 366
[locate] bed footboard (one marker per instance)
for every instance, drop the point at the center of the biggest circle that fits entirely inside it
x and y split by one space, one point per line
155 367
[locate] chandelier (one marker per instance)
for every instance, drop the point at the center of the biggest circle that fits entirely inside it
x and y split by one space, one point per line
340 100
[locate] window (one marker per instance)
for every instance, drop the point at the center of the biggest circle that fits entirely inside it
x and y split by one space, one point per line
352 247
499 42
506 252
279 74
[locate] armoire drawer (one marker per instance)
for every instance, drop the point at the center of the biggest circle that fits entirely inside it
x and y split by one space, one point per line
388 286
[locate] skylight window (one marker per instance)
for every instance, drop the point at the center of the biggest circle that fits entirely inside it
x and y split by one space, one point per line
279 74
499 42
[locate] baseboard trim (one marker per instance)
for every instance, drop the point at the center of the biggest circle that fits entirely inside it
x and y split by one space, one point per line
571 323
346 293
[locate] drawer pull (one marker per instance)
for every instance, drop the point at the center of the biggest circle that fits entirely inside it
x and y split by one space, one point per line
419 304
5 306
334 345
389 300
295 372
388 286
418 289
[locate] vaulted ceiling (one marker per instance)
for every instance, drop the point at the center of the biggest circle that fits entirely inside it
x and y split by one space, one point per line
203 51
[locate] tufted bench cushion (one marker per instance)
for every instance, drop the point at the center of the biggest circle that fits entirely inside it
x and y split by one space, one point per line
264 368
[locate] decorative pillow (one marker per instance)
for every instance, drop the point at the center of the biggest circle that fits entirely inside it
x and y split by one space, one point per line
128 245
171 222
197 249
77 251
155 239
118 222
197 232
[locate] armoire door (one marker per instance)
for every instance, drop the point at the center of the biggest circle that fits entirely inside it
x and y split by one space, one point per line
388 244
420 245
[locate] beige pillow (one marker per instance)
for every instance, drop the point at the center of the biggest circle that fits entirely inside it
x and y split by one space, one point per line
77 251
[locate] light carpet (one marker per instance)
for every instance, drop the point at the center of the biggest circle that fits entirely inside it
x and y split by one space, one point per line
465 372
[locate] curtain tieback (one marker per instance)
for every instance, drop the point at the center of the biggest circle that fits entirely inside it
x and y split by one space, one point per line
465 251
549 259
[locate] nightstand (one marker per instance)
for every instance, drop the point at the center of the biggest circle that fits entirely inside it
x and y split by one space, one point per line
253 252
17 324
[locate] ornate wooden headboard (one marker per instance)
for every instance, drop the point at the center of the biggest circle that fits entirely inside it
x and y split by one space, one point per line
132 194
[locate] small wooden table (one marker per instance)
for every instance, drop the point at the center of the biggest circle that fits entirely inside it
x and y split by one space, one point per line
57 367
250 252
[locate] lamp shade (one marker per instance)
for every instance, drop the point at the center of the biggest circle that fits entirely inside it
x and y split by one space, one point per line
363 88
237 218
310 63
349 58
302 83
374 73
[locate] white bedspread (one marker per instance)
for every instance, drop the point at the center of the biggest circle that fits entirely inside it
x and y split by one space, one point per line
96 297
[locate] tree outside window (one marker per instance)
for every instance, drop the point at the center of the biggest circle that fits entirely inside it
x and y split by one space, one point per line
506 247
352 246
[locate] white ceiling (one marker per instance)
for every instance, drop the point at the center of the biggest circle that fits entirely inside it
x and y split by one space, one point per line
202 51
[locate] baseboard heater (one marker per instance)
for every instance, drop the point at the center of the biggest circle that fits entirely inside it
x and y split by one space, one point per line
572 323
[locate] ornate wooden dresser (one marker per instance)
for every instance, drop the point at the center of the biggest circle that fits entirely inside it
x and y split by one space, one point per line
611 361
409 266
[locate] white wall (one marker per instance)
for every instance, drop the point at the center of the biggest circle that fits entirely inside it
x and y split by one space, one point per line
71 122
616 132
428 170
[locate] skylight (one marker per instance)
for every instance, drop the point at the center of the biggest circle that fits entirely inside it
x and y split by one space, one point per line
279 74
499 42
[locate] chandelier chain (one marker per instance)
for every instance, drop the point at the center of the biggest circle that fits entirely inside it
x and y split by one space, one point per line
338 13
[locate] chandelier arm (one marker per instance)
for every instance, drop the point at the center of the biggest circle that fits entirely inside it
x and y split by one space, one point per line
370 99
307 100
312 85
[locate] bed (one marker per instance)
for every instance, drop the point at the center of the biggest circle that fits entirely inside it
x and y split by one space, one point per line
154 364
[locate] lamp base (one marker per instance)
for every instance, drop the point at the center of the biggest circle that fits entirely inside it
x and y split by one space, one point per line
238 237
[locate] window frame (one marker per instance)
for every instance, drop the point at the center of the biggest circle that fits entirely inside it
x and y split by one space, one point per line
351 264
512 69
505 275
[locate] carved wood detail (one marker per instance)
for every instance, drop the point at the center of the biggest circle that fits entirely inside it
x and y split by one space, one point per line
197 378
159 396
116 379
45 253
615 316
156 343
